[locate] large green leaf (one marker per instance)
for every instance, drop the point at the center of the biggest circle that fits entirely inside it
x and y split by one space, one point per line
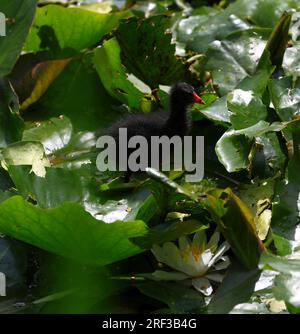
11 124
286 208
287 282
153 62
59 185
19 16
78 185
236 223
247 108
235 57
78 94
234 147
291 61
26 153
217 111
54 134
114 76
65 148
277 42
57 27
236 288
285 96
70 231
179 298
198 31
258 196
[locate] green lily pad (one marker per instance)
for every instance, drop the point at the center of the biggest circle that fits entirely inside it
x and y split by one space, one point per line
70 231
234 58
27 153
217 111
56 27
287 281
286 207
234 147
291 61
78 94
54 134
237 287
236 223
285 96
20 16
11 124
114 76
153 62
178 297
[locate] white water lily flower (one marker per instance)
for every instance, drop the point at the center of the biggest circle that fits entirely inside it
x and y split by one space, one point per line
196 261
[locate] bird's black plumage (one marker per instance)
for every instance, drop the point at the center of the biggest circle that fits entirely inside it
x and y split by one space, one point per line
173 122
170 123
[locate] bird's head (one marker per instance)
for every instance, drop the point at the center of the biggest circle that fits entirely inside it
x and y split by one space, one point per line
184 93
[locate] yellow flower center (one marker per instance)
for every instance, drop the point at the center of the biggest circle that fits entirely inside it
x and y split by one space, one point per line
196 252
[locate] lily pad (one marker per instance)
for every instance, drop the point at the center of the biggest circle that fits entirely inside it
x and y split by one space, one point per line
27 153
153 62
70 231
11 124
20 16
56 27
232 59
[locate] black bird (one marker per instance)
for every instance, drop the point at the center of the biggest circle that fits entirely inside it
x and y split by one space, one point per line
171 123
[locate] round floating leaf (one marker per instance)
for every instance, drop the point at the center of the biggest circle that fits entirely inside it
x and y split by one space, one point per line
70 231
27 153
56 27
234 147
246 107
78 94
236 57
19 16
285 96
153 62
54 134
11 124
114 77
43 76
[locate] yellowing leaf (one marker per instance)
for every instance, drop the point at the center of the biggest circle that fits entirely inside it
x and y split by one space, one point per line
236 222
263 218
44 74
27 153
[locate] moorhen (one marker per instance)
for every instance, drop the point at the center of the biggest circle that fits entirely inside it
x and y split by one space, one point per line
171 123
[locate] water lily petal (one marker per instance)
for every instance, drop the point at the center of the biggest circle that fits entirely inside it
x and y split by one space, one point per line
222 265
170 253
184 243
202 285
220 251
199 241
202 264
192 265
216 277
158 253
173 257
213 242
206 257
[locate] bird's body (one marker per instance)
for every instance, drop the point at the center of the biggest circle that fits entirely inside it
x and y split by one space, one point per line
148 125
172 123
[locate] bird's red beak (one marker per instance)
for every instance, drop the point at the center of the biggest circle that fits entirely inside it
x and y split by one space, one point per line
197 98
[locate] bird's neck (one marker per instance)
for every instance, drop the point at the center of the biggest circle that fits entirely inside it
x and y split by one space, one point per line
178 120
